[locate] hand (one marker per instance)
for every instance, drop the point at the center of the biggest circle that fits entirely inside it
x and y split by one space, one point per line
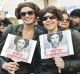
2 15
59 62
11 67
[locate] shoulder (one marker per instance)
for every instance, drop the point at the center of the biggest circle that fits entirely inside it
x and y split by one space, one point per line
75 33
12 29
40 29
76 39
15 27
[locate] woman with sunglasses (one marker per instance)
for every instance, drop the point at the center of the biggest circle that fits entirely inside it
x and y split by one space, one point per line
65 22
50 17
28 12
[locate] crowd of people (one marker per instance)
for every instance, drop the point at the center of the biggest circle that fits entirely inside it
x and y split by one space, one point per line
38 21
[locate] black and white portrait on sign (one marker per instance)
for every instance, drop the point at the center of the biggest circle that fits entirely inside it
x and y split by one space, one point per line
56 44
18 49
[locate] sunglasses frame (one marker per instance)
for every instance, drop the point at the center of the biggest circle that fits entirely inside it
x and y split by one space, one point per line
68 20
44 18
24 13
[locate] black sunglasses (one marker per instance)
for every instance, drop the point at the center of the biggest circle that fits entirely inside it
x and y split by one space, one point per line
24 13
44 18
68 20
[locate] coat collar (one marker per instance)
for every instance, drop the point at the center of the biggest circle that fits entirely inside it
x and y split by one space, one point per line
36 32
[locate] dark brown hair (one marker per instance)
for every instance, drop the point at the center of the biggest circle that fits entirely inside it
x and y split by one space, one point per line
50 9
58 33
70 21
63 12
26 4
19 38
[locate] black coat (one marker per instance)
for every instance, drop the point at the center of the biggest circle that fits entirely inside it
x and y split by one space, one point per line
72 63
25 68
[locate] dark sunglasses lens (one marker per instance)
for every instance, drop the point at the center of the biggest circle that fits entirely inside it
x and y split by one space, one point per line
30 12
50 17
23 13
68 20
65 20
44 18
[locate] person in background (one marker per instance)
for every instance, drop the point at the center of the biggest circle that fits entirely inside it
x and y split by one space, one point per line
13 20
3 26
75 17
3 17
65 22
50 17
28 13
4 22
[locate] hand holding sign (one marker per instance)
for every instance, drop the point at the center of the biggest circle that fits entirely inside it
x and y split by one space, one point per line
11 67
59 63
